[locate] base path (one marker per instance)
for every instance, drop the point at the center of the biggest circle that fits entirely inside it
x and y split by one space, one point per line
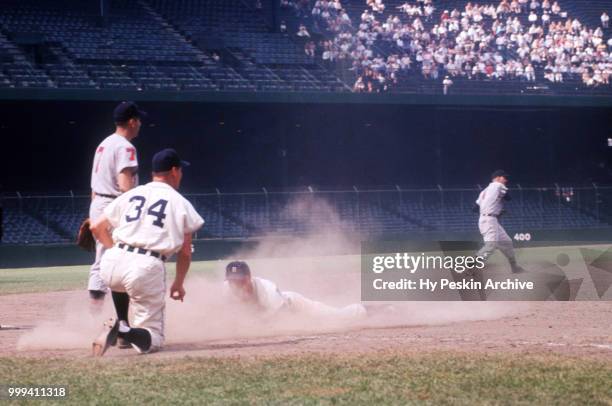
60 324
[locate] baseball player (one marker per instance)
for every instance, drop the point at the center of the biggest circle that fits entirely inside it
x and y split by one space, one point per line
114 172
264 296
150 223
490 205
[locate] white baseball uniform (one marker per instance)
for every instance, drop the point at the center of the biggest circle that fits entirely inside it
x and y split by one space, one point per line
490 202
271 300
113 155
153 217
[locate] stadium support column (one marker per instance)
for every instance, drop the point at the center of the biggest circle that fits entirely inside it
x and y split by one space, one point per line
275 15
552 129
438 161
283 156
1 214
104 12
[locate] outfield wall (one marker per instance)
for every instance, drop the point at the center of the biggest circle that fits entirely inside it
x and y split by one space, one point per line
532 100
25 256
247 146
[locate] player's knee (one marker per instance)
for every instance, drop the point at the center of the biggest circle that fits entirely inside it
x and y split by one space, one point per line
97 294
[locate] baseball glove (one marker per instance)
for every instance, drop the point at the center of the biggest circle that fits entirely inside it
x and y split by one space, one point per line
85 238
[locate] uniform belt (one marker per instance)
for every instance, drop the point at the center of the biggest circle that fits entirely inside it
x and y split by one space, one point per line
141 251
490 215
107 196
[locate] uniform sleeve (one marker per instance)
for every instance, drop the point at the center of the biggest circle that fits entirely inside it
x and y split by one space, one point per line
490 195
502 191
480 198
193 221
498 191
269 296
113 211
125 157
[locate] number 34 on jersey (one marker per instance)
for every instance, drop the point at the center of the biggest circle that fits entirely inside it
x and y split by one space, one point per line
157 210
153 216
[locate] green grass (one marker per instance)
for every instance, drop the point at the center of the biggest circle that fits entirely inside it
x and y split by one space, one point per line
387 378
53 279
61 278
375 378
28 280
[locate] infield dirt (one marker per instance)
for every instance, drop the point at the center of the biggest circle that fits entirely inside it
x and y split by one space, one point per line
59 324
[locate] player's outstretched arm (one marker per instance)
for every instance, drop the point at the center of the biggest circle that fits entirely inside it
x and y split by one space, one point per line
183 261
126 179
101 230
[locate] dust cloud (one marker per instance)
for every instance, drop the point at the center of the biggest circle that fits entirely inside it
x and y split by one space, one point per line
320 264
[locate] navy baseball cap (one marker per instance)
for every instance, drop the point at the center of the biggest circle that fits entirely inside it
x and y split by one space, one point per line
167 159
127 110
237 270
499 172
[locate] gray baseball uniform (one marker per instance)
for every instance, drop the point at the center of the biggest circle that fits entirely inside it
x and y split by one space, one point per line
495 237
113 155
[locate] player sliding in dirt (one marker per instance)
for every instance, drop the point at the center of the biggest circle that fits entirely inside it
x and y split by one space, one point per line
268 300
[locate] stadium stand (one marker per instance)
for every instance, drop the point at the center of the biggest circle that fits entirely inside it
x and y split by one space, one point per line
25 221
364 213
228 45
138 49
465 46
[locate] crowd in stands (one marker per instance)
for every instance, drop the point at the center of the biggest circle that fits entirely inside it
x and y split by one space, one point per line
521 40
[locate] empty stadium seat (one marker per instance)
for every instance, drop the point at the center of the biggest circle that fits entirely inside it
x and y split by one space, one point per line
364 213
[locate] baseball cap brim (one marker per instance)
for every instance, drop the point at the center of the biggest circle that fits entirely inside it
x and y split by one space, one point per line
140 113
500 172
185 164
127 110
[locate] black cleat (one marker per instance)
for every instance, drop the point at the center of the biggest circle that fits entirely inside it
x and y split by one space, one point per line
123 344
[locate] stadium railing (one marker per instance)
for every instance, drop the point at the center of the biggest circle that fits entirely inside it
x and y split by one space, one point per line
42 219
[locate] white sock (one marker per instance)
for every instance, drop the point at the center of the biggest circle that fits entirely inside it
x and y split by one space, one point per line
123 327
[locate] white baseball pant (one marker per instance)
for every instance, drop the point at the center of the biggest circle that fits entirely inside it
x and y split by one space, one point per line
312 308
495 237
143 278
96 209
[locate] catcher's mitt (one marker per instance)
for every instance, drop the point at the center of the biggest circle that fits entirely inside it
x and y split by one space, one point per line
85 238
